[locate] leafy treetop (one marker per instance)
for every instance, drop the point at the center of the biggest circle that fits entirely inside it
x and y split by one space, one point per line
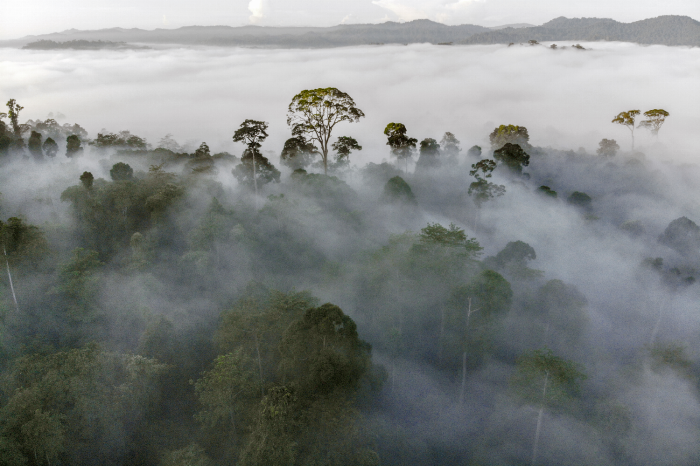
316 112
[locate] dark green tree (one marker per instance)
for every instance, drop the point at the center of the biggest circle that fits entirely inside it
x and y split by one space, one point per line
580 199
397 190
512 156
474 312
316 112
50 147
34 146
547 191
121 171
298 153
87 180
73 147
401 145
252 133
543 379
343 147
429 154
481 189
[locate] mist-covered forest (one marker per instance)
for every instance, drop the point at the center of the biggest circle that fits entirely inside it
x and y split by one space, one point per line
453 304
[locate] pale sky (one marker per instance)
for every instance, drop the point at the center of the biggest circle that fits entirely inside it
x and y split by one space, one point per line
20 18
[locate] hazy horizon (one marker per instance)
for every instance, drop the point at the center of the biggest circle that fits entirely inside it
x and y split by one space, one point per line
34 17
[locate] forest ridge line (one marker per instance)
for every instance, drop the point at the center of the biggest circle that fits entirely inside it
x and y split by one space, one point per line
663 30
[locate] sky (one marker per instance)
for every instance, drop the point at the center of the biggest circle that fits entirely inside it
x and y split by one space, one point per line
20 18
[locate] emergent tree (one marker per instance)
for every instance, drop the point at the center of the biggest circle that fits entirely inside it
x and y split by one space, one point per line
655 118
316 112
401 145
627 119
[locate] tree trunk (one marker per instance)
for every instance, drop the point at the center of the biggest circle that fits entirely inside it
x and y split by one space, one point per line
540 415
257 350
255 182
9 275
464 378
442 333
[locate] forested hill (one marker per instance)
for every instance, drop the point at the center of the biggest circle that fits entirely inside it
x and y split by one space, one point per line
664 30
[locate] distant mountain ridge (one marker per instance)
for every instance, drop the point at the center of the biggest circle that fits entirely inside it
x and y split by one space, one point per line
663 30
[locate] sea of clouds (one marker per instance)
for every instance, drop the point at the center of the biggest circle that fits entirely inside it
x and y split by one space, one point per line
566 98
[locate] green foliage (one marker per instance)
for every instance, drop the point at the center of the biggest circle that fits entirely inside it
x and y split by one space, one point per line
627 119
122 140
401 145
87 179
121 172
75 406
73 147
509 134
50 147
481 189
580 199
13 109
513 260
512 156
547 191
397 190
78 285
298 153
225 391
23 245
34 146
322 352
316 112
535 367
255 168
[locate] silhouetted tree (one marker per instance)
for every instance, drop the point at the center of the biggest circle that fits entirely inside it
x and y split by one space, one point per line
397 190
252 133
34 146
121 172
50 147
401 145
429 154
608 148
512 156
449 145
73 146
298 153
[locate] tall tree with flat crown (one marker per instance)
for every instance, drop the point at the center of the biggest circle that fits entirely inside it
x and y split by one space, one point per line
655 118
627 119
316 112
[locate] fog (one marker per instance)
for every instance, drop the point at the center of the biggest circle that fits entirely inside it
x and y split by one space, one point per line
566 98
587 294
